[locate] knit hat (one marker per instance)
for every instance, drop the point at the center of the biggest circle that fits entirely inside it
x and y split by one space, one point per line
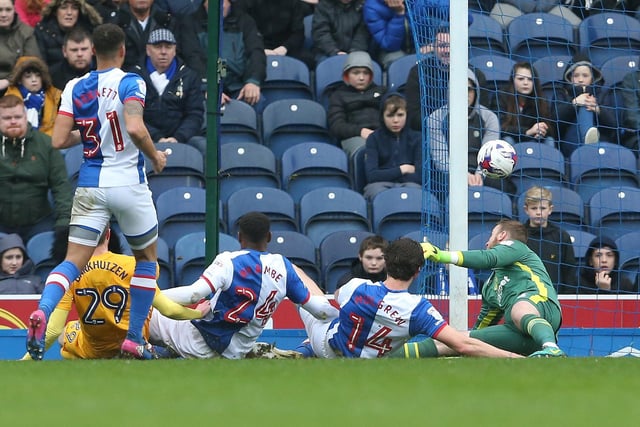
580 60
358 59
161 35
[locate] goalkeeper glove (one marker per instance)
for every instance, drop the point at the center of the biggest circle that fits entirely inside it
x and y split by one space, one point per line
435 254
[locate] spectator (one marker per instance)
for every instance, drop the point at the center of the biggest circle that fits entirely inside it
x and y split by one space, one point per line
370 264
17 276
338 28
174 107
138 18
180 7
78 58
354 106
631 111
29 168
58 18
393 153
389 26
435 70
31 82
551 243
483 127
16 40
108 9
524 113
602 273
243 49
582 116
30 11
281 23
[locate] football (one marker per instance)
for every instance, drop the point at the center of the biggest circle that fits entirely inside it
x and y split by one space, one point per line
497 159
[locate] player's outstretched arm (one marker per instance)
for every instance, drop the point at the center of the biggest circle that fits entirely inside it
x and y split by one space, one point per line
173 310
463 344
137 130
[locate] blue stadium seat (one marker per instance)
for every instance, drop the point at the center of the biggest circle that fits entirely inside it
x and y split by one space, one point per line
398 71
246 164
328 74
337 252
485 36
596 166
568 208
328 209
311 165
438 238
629 261
550 71
298 248
287 78
613 70
291 121
496 70
39 250
607 35
398 211
165 280
73 158
238 123
181 210
538 164
357 168
615 211
486 206
535 35
184 168
189 255
580 240
275 203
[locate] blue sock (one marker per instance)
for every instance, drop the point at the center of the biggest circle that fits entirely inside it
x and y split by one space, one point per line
143 289
56 285
305 349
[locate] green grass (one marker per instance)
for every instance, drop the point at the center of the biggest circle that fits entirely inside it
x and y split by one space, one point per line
430 392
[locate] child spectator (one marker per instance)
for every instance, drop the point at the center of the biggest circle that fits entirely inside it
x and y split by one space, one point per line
16 275
523 110
370 264
354 107
582 117
16 40
483 127
32 83
602 274
551 243
393 153
338 28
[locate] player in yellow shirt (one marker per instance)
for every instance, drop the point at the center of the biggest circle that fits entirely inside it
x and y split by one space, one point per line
102 300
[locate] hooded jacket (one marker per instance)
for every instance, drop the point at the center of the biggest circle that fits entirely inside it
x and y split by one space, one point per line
483 127
390 30
29 168
23 281
51 94
16 41
619 282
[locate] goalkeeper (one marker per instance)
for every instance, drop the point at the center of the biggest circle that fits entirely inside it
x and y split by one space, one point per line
519 290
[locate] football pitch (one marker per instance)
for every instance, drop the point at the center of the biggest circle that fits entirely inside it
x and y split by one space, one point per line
311 392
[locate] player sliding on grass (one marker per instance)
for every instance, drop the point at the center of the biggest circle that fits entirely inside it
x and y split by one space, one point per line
376 318
107 106
519 289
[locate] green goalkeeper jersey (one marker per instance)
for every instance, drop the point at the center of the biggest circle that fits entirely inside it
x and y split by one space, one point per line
517 273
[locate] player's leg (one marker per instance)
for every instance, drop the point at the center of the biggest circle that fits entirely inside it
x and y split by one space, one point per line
180 336
540 321
318 332
133 208
88 219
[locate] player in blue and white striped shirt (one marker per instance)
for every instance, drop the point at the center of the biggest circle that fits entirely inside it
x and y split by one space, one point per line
106 105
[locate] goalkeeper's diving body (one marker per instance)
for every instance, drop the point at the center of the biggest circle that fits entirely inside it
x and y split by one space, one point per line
518 290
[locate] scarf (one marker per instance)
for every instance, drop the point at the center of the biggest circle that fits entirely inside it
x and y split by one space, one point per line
33 102
161 80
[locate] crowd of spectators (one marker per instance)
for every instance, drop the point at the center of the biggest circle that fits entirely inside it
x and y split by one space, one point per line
46 43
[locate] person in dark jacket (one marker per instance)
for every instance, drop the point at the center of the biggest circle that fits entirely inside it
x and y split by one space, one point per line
388 23
551 243
16 271
29 168
338 28
78 58
174 107
601 274
58 18
354 107
393 153
370 264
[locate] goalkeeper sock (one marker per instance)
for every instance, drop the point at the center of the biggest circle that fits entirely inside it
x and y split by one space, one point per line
539 329
416 350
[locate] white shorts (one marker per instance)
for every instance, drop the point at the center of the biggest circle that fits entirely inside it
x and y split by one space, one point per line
180 336
132 206
319 333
